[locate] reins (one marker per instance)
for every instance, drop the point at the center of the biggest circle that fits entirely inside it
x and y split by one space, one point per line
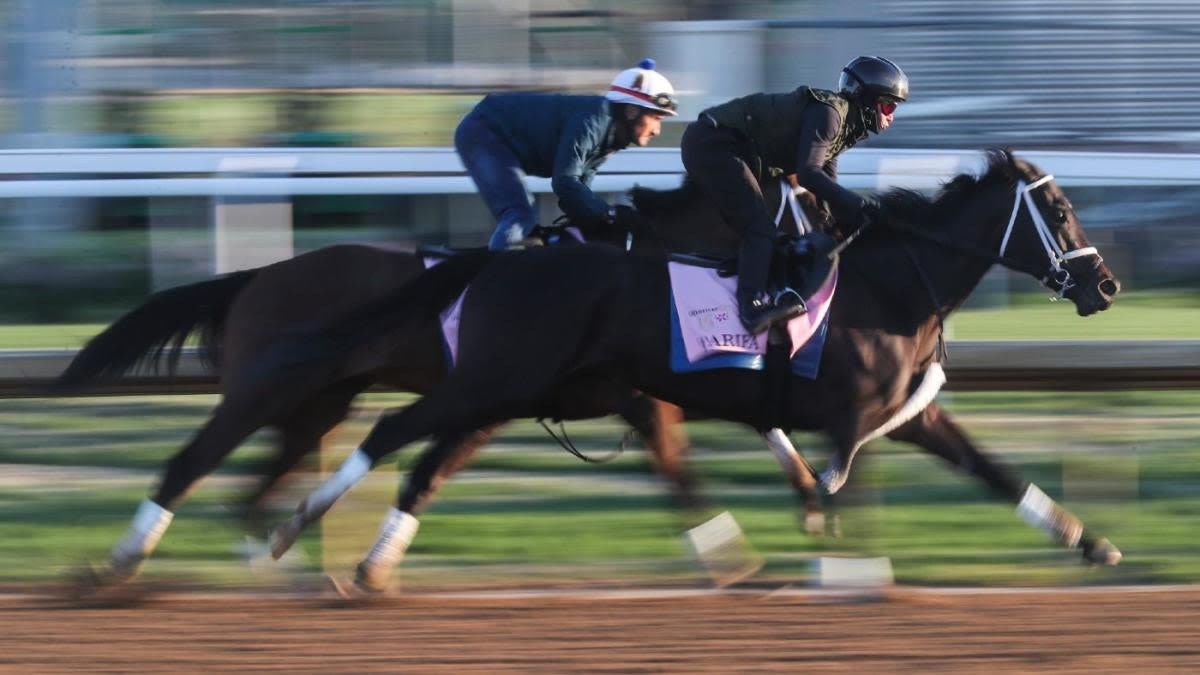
569 445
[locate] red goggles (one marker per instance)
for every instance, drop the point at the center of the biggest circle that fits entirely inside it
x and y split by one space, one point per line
887 107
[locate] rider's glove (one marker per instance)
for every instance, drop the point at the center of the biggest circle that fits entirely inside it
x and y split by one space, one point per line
627 219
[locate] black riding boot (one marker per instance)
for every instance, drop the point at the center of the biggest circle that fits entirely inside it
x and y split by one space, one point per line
756 310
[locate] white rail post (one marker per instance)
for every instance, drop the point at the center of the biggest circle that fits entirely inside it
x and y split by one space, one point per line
252 231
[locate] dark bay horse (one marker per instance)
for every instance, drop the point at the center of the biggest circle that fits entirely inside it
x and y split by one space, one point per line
241 317
604 324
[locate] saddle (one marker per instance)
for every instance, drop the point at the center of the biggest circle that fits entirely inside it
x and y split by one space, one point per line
802 264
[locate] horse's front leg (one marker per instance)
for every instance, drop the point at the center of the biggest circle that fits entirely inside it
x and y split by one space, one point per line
935 431
803 478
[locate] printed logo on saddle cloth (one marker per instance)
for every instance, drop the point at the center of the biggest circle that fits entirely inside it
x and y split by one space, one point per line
707 333
450 317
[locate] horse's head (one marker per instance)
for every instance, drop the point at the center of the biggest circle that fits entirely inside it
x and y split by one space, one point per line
1043 237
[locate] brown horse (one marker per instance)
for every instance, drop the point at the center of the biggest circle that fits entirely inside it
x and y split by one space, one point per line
604 325
243 316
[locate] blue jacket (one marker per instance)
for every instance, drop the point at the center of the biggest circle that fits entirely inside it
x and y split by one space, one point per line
565 138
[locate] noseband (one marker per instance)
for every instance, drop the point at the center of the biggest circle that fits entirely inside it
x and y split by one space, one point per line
1057 273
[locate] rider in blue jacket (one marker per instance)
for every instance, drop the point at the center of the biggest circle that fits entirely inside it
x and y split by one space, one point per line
562 137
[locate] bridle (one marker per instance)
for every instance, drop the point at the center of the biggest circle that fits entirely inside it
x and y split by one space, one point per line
1058 274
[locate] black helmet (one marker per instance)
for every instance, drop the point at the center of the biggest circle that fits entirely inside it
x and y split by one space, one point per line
869 79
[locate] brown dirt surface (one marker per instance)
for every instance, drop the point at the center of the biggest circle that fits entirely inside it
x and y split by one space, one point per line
901 631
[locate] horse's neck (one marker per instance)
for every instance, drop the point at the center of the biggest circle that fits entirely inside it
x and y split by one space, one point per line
702 229
921 281
698 230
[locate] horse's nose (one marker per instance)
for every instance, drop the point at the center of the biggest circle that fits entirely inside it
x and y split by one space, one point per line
1109 287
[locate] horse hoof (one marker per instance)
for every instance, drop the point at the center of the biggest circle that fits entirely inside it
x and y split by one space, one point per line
834 530
1103 553
352 592
833 480
723 551
283 536
814 524
371 579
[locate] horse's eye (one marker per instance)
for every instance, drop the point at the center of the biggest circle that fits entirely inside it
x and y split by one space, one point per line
1060 215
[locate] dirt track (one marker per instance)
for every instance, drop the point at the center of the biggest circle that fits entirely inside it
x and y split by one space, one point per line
907 631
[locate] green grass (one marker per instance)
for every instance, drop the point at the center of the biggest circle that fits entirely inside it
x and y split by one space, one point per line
1131 320
528 512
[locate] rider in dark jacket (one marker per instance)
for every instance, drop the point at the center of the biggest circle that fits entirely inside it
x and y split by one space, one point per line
565 138
732 146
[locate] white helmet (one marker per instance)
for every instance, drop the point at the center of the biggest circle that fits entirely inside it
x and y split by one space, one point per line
644 86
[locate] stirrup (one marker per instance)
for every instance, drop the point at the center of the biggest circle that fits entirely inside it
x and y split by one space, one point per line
791 296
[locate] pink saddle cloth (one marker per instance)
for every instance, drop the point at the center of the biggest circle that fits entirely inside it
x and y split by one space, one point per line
450 318
708 320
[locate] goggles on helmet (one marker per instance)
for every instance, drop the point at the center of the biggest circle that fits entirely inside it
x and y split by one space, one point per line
664 101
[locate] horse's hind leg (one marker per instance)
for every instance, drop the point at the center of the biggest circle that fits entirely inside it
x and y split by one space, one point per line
449 410
935 431
241 412
229 426
443 459
300 434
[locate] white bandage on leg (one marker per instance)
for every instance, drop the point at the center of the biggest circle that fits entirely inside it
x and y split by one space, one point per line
785 453
1039 510
395 535
147 528
356 466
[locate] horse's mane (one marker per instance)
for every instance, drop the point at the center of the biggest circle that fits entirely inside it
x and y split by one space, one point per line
909 205
920 210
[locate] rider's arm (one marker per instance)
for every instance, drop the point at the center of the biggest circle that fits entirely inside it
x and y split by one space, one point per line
574 167
816 170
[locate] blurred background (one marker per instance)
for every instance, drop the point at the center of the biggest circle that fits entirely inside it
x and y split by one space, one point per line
132 128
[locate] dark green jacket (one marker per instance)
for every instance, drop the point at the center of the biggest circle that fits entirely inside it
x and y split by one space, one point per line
800 132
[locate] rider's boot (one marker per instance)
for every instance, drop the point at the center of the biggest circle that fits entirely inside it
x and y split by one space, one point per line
756 310
511 234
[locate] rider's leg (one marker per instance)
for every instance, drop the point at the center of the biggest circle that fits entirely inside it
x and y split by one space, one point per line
713 157
498 175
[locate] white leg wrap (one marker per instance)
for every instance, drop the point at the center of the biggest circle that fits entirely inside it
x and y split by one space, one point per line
147 528
720 546
356 466
395 535
835 476
1039 510
785 453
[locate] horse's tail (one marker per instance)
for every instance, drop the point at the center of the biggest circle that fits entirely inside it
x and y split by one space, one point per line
421 299
159 326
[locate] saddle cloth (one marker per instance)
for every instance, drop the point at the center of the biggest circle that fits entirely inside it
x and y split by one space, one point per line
706 332
433 255
449 316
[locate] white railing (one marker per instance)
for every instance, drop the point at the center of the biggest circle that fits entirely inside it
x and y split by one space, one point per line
311 171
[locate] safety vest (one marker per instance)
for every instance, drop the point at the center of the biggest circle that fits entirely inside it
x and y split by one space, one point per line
771 123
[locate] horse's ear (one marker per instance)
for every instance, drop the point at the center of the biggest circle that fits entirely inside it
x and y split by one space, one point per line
1011 158
1001 162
